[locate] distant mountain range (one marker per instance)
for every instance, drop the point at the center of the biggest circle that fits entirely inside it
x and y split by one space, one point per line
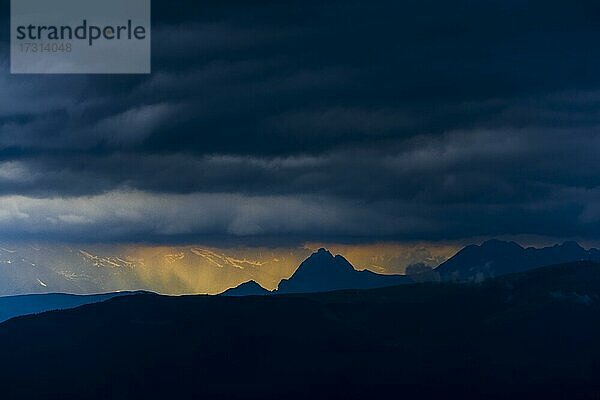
322 272
102 269
14 306
521 336
496 258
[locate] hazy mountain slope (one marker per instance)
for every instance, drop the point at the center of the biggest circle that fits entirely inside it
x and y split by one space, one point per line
86 269
13 306
26 269
530 335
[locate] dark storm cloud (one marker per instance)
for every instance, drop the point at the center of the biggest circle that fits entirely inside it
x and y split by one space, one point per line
366 120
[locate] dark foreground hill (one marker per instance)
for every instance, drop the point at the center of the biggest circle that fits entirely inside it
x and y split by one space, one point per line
531 335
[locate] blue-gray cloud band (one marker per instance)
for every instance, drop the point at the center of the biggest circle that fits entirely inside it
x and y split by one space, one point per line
367 120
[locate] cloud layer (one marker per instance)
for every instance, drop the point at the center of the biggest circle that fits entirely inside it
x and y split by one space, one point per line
294 121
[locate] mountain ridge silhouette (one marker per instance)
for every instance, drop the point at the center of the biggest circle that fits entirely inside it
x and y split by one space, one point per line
322 272
495 258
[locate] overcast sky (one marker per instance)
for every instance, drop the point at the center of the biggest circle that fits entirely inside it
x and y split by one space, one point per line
286 122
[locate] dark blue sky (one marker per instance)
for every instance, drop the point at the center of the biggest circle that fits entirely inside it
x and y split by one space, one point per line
290 121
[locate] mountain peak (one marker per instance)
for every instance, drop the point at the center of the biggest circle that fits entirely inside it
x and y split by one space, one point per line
322 272
250 288
322 260
322 252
